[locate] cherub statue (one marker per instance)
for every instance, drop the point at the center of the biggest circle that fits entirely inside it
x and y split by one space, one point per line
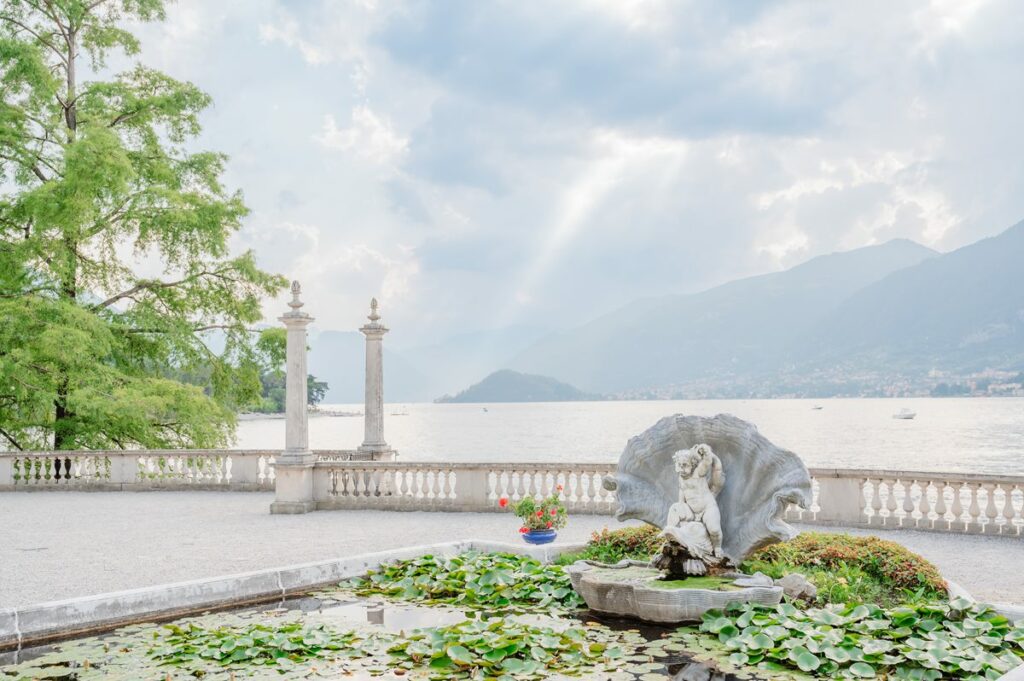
693 529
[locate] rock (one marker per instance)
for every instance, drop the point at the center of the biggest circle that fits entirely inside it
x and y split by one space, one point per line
756 579
761 479
795 585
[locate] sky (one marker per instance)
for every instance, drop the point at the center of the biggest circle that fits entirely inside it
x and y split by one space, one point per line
477 165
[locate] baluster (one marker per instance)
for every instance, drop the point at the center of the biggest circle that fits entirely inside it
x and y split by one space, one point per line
974 524
493 483
1008 513
991 527
403 489
924 505
229 463
520 484
448 489
958 507
589 501
940 522
890 503
876 502
908 503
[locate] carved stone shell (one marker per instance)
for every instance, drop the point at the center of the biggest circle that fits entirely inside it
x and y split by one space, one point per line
761 479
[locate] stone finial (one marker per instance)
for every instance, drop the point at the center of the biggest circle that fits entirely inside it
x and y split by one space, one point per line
295 303
373 310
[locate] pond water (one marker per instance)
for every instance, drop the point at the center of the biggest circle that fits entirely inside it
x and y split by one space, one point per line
651 651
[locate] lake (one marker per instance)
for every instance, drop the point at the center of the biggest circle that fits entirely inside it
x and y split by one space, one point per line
984 435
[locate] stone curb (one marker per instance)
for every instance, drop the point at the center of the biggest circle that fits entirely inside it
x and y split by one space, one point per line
47 622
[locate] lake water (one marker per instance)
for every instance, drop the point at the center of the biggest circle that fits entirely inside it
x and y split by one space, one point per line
955 434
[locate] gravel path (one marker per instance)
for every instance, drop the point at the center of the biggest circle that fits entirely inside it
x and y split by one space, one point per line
56 545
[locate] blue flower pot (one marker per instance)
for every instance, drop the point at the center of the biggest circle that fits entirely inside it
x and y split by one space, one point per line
540 536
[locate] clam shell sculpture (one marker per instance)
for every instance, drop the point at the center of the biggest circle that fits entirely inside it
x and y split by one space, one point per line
761 479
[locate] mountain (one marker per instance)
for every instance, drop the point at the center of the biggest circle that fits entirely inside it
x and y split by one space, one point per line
512 386
962 311
742 328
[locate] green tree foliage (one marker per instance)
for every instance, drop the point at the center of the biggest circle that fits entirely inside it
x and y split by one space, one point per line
272 344
96 179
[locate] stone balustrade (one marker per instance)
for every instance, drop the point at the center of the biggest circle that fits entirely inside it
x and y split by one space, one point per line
345 479
220 469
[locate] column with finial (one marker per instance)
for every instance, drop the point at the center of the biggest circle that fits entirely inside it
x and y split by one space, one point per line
293 469
373 410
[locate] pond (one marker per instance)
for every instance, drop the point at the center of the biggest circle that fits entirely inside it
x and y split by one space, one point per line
331 634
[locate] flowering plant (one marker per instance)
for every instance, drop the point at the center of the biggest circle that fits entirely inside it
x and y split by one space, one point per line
539 514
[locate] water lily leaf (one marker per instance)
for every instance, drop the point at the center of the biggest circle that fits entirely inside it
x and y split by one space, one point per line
862 670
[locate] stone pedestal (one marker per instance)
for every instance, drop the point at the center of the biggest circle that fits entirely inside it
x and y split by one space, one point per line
374 445
293 469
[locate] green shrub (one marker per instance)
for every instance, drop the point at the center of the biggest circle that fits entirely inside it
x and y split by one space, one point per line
611 546
929 641
848 568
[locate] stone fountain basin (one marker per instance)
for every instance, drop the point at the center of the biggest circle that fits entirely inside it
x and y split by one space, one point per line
633 589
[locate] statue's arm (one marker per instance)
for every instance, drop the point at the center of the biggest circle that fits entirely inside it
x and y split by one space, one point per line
717 476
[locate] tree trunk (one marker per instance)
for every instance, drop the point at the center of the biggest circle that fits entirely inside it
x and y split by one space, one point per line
62 438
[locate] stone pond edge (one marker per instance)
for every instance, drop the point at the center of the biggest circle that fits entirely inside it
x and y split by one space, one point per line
41 623
54 621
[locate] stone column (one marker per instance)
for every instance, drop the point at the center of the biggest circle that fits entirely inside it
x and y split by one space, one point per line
293 469
373 410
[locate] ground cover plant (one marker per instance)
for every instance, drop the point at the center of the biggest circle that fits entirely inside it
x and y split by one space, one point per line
928 641
850 569
472 580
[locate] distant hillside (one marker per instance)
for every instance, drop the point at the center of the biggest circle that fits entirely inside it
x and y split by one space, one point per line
512 386
962 311
743 328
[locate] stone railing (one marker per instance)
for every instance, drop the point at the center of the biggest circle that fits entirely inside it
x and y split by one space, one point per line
941 502
457 486
138 469
887 499
938 502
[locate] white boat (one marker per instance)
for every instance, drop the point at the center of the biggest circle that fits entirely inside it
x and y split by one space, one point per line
817 407
905 414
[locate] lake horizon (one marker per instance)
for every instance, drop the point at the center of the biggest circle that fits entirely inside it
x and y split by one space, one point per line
949 434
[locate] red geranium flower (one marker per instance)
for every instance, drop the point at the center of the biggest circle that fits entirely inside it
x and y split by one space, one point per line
549 523
554 511
523 530
540 514
503 502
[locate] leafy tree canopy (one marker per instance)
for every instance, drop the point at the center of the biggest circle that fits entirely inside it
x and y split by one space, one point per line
115 268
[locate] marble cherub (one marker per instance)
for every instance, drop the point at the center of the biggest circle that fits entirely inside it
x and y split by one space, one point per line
693 528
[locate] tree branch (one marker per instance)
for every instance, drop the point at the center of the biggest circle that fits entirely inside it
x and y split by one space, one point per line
11 439
156 285
38 37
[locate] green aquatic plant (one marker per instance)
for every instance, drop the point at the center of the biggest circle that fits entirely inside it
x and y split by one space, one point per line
282 645
472 580
503 648
929 641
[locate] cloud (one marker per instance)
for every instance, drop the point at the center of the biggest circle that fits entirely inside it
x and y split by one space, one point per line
368 136
492 163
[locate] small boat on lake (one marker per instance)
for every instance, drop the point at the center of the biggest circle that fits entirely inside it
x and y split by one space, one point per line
905 414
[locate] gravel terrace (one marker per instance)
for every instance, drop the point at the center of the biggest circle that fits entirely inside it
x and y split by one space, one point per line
58 545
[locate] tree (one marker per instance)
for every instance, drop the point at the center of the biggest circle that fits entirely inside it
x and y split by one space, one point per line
96 177
273 345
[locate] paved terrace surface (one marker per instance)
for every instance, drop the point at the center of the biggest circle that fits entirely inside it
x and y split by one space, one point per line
57 545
